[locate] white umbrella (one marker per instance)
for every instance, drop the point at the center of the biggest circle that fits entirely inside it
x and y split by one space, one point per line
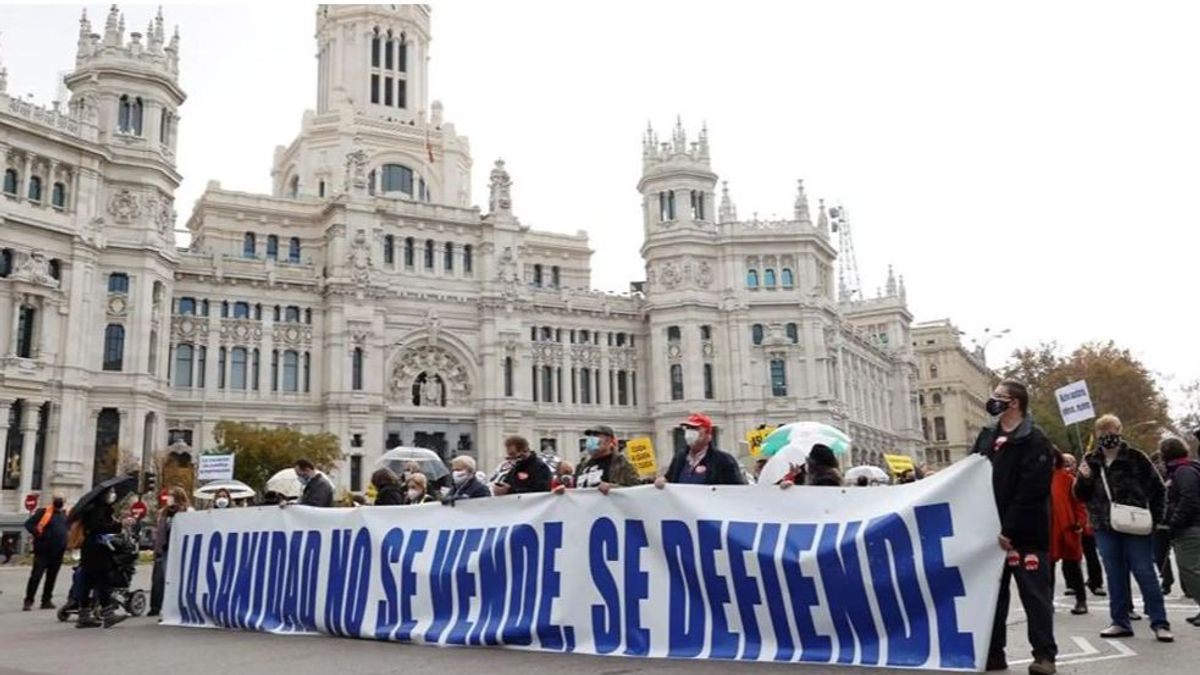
237 490
430 464
285 483
874 474
789 445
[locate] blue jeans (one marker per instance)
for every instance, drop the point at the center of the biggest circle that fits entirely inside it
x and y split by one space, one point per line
1126 554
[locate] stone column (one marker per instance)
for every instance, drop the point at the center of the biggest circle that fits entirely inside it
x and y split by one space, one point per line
5 405
29 424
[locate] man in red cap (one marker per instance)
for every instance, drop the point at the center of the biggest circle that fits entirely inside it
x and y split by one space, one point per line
701 463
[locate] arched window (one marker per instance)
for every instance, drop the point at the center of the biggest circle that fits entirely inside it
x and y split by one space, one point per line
389 250
752 278
356 370
769 278
187 306
376 48
129 115
6 262
118 282
114 346
294 187
937 399
237 368
308 315
241 310
555 276
183 365
448 257
224 309
294 250
11 181
204 308
321 188
292 314
276 315
254 368
248 245
257 312
26 318
291 370
221 355
676 382
55 266
508 376
274 370
537 276
793 333
933 371
307 370
468 263
409 251
786 278
397 178
272 247
756 333
428 254
35 189
709 382
58 196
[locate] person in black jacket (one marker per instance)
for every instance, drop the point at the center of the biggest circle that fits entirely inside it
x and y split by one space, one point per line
1022 468
1128 474
1183 514
528 472
48 525
318 491
701 463
388 490
96 564
465 484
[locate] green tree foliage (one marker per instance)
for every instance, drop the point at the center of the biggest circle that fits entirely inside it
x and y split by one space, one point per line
1118 384
262 451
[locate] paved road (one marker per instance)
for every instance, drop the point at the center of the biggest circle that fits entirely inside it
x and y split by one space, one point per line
35 642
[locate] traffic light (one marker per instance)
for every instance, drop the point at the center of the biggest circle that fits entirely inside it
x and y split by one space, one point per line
149 482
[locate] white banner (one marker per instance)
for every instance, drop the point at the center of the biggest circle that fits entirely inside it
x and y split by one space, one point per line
215 467
888 576
1074 403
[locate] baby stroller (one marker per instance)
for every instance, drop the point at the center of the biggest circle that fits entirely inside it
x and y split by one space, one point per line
125 558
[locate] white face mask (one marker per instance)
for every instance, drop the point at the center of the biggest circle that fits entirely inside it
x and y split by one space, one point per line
461 476
222 502
690 436
111 498
413 494
170 501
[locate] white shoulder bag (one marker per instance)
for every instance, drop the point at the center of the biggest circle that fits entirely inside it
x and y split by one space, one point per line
1124 518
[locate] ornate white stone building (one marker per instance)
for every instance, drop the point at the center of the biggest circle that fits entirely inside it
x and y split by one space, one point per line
368 296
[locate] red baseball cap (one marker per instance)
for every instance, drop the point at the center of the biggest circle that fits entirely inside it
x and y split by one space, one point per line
699 420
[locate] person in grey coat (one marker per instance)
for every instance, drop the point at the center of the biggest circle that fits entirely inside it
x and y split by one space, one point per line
318 491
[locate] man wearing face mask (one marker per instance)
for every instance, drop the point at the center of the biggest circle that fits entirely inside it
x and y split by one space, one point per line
318 491
1022 470
465 484
700 463
528 473
603 466
48 525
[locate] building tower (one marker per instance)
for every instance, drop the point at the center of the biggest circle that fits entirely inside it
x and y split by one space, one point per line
126 85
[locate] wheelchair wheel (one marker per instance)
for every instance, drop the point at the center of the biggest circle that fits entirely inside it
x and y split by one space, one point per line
64 613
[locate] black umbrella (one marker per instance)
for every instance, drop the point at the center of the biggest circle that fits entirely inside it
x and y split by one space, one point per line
123 485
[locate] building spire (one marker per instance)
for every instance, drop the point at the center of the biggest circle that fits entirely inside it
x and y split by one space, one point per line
891 283
703 141
903 290
727 212
801 207
680 137
111 37
500 190
822 217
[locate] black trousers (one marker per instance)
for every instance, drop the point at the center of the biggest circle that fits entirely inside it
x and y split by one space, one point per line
46 564
1095 572
158 580
1036 590
1073 575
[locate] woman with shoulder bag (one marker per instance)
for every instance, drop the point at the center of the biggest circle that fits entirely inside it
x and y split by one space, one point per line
1124 497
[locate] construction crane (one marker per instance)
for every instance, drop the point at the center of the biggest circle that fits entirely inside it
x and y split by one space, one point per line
849 284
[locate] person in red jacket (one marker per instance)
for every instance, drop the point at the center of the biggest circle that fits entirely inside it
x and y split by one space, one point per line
1068 517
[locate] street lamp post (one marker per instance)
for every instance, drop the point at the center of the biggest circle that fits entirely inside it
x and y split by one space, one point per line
988 336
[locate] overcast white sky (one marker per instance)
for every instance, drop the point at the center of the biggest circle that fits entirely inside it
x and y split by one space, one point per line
1025 165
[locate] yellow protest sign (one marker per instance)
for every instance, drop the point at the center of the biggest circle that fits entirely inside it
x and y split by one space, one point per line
641 452
898 464
755 438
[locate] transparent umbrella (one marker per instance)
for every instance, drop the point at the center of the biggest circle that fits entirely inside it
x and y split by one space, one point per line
398 459
237 490
874 474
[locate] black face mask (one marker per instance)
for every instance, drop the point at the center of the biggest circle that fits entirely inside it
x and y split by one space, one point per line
58 503
1109 441
996 406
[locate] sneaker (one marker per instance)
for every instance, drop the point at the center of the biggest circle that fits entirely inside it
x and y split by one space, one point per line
46 604
1099 592
1194 620
27 605
1116 632
1042 667
1079 608
1163 634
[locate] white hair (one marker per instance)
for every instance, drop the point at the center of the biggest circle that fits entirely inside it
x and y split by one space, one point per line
467 462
